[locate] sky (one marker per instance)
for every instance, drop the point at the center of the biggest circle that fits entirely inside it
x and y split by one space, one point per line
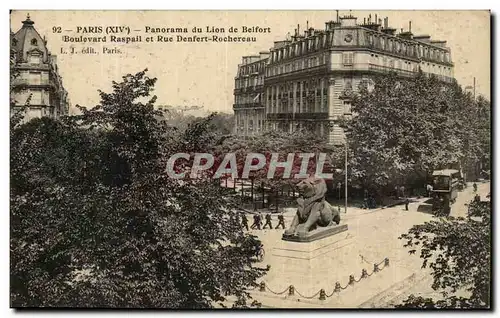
203 73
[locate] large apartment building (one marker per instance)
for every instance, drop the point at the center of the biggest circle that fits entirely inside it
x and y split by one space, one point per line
308 76
35 79
249 108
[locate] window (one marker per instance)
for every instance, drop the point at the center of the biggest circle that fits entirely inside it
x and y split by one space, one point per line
34 42
35 78
347 107
34 59
364 84
36 98
348 58
348 83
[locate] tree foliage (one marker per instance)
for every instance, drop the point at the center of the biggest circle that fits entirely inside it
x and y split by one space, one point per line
458 250
283 144
406 127
96 222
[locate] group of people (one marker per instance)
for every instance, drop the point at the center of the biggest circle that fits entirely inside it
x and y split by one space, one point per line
257 221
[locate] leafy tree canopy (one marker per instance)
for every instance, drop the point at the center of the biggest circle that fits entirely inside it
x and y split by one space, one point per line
96 222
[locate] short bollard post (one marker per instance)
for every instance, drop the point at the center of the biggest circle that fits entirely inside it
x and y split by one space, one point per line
291 290
375 268
386 262
262 286
322 294
351 279
337 288
364 273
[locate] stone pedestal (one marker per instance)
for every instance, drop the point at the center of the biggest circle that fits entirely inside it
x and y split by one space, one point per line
316 234
308 265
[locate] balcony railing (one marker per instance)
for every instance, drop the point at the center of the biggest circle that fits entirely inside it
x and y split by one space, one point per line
248 105
249 89
28 82
297 116
387 69
307 69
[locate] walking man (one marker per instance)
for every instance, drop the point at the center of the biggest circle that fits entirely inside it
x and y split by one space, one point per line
255 222
244 221
475 187
281 221
259 221
407 201
268 221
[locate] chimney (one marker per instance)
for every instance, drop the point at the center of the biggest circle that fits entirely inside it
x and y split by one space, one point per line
364 20
423 38
337 16
409 29
298 29
369 18
375 18
348 21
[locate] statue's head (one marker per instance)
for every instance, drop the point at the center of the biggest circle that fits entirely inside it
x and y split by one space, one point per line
312 187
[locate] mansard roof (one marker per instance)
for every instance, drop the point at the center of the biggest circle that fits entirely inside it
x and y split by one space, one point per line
27 39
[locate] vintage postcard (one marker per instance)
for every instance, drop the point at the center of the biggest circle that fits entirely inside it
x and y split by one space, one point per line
250 159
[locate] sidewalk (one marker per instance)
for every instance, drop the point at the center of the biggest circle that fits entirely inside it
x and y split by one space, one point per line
289 212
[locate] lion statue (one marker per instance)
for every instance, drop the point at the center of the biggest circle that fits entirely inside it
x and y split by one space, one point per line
313 210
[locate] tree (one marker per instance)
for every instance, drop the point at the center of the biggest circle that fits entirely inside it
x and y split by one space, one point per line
96 222
283 144
406 127
458 250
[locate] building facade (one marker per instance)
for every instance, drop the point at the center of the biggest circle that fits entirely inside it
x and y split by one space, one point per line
35 79
249 108
309 76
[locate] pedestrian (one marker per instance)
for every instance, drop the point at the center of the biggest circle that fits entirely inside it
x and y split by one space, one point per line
259 221
281 221
477 198
244 221
429 190
396 190
407 201
475 187
268 221
255 221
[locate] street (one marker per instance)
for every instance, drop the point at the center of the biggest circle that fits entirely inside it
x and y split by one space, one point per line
373 236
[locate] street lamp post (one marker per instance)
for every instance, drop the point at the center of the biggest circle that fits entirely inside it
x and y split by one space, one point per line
345 165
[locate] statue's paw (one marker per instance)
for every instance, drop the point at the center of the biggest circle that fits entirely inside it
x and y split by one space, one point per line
336 219
301 233
288 232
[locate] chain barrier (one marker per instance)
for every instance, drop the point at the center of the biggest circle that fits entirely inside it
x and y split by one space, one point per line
281 293
309 297
338 288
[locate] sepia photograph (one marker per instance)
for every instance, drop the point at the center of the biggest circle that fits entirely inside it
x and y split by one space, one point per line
237 159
